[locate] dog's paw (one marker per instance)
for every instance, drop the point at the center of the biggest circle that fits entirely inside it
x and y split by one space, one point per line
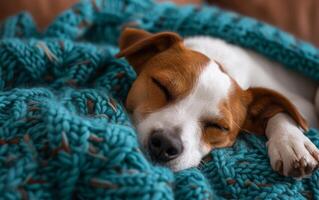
293 154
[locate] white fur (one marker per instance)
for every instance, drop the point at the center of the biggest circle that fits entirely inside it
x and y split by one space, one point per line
286 141
288 144
211 88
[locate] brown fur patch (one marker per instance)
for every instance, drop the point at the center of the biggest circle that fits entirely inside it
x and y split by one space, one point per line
176 68
162 57
266 103
139 46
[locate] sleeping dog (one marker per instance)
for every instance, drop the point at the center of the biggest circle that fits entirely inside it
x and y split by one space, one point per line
194 95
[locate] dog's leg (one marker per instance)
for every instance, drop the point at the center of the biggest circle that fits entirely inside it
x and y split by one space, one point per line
291 153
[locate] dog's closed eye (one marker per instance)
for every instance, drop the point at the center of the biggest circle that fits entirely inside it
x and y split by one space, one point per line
163 88
214 125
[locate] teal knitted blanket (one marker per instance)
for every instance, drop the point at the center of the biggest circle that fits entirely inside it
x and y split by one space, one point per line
64 133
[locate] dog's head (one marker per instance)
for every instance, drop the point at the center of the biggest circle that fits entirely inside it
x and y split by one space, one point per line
184 105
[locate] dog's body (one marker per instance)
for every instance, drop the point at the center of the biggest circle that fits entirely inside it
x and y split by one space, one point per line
195 95
249 69
252 70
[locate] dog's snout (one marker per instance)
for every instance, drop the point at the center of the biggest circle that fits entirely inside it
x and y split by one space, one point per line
165 145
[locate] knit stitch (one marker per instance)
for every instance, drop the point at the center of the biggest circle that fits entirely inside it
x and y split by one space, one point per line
64 132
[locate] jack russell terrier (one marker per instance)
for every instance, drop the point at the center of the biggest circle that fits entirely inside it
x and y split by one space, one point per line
197 94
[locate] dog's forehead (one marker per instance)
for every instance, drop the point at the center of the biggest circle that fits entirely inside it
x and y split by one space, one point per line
210 90
212 87
214 81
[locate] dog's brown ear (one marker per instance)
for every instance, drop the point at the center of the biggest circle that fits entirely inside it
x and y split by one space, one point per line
262 104
138 46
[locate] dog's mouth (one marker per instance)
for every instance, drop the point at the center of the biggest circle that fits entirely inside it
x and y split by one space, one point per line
172 165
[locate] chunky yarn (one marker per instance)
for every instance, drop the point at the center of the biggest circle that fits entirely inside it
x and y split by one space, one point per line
64 133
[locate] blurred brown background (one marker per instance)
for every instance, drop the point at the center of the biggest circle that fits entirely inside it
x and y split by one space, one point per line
300 17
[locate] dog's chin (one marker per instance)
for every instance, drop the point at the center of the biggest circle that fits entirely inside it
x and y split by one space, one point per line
180 163
179 167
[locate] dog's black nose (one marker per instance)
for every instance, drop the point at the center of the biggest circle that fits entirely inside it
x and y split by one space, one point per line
165 145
